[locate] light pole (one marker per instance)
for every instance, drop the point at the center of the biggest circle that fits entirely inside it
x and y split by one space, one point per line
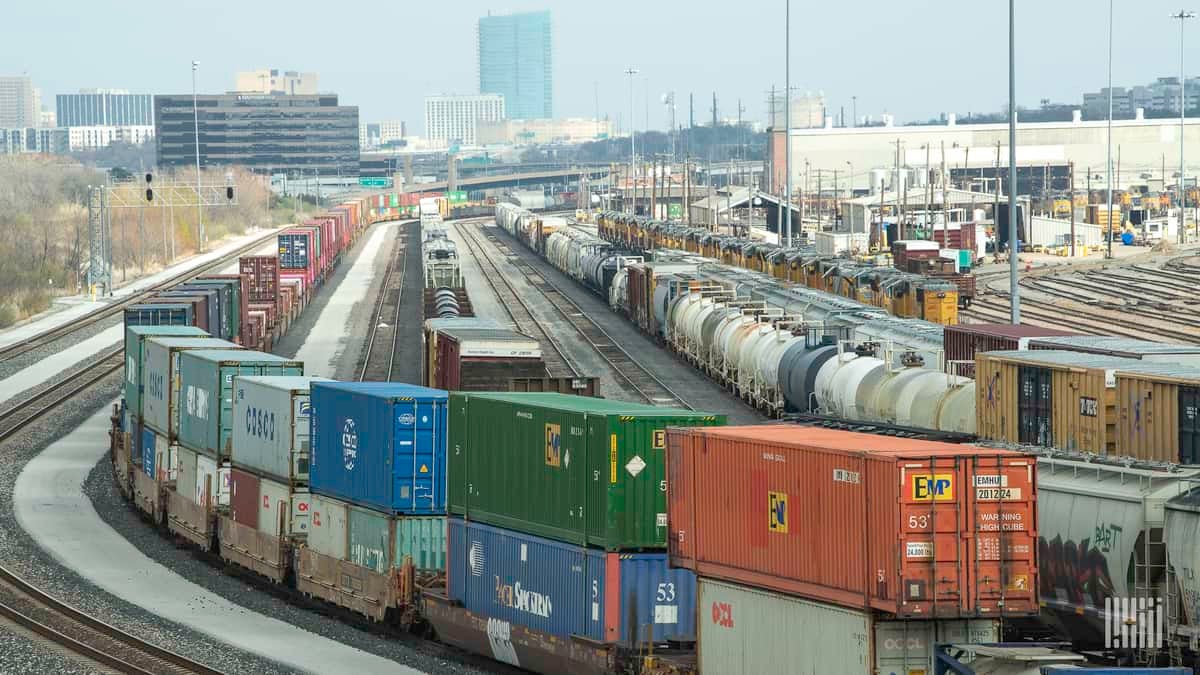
1183 16
631 71
1108 173
849 193
787 118
196 130
1014 287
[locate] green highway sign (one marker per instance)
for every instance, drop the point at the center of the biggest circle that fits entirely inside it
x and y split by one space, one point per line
371 181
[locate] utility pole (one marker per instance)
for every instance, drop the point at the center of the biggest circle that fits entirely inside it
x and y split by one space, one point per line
787 118
654 187
854 113
1183 16
928 192
896 187
1014 285
1108 173
996 202
714 112
1071 167
196 129
631 71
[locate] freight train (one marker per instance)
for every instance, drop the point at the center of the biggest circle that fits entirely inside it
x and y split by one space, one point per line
925 286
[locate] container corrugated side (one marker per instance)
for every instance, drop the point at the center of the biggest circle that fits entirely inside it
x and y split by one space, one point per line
185 483
244 497
747 631
271 434
916 529
379 541
212 483
283 506
329 526
581 470
160 379
1158 413
565 590
423 538
135 354
379 444
206 379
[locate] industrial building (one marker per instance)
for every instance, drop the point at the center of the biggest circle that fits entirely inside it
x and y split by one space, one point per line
515 61
1144 150
261 132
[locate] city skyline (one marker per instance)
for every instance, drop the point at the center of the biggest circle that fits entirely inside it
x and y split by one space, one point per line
907 75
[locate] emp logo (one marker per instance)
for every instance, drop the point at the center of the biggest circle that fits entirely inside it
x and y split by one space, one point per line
933 488
1133 623
349 444
777 517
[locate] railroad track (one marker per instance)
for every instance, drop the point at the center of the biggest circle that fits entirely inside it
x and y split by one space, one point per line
516 306
22 414
637 379
25 604
387 317
49 336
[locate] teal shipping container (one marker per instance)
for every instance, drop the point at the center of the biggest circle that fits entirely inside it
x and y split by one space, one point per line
160 379
135 338
206 398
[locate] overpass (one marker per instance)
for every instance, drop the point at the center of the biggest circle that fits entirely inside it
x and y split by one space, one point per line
502 180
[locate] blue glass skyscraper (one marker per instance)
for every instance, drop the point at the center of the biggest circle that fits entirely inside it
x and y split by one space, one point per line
515 61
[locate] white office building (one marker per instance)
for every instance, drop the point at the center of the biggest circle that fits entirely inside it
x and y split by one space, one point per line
451 119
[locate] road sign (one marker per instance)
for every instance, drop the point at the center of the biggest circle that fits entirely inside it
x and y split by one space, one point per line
372 181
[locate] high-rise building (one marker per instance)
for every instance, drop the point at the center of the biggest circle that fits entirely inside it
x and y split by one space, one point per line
391 131
260 132
18 104
104 107
515 61
275 81
452 119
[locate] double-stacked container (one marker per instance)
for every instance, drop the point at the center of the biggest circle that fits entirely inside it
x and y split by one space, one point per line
801 536
559 521
377 474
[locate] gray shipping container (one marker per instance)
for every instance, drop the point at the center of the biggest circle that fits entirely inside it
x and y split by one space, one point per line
751 631
328 529
296 503
271 426
185 483
160 379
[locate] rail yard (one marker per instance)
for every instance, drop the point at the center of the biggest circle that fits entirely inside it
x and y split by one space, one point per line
592 442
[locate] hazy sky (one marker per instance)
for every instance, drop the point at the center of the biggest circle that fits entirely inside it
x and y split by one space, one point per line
914 58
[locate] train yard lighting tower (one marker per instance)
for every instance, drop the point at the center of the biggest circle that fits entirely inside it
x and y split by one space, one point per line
1014 290
1108 172
787 118
631 71
196 130
1183 15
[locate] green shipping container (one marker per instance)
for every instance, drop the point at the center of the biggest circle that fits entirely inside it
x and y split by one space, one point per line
582 470
379 541
135 354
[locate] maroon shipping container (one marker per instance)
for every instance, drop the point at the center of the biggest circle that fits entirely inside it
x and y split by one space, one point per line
270 314
964 341
254 331
962 238
485 359
263 274
912 528
243 497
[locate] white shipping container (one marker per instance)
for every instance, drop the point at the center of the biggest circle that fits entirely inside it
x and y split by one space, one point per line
217 479
328 531
751 631
271 426
917 244
837 243
296 505
185 485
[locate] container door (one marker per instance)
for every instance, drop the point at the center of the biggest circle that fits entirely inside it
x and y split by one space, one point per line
1034 406
1002 513
1189 425
415 473
932 576
301 438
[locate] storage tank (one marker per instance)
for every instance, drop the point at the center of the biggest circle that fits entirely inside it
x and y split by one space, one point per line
798 368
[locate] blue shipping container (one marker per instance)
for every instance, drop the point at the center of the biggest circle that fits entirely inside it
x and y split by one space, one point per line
206 394
293 251
380 445
565 590
147 465
159 314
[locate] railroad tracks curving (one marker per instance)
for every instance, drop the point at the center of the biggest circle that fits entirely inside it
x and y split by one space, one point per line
48 336
636 378
25 604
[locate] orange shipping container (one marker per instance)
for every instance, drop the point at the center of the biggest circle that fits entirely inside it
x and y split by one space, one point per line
914 529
